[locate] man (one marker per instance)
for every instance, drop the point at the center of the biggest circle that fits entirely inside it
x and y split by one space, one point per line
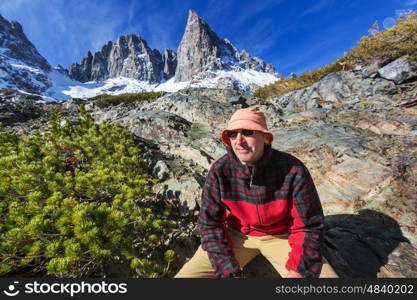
257 200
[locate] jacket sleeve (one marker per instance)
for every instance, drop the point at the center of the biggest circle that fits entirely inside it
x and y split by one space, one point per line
306 226
214 237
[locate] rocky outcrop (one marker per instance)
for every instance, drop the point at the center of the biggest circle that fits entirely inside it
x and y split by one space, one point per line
16 107
339 88
399 70
129 57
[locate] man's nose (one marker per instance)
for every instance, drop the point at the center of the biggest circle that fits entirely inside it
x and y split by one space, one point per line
240 136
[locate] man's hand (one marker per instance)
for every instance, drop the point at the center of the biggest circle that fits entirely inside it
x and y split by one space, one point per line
293 274
239 275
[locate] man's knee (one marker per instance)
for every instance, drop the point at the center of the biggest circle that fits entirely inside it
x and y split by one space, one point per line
198 266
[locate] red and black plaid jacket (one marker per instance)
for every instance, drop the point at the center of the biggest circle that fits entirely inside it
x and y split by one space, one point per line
277 197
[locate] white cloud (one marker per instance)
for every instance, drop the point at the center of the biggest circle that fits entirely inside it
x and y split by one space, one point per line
251 8
410 2
317 7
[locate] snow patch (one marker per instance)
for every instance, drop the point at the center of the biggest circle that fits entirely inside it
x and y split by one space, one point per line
64 87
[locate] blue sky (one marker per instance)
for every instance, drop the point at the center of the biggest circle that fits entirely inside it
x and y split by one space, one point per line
294 35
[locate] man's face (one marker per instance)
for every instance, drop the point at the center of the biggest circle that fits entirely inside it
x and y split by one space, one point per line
250 148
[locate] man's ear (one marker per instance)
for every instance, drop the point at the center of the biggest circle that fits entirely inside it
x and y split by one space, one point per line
266 139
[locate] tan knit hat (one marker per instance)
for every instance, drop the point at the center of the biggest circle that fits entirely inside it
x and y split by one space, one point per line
247 118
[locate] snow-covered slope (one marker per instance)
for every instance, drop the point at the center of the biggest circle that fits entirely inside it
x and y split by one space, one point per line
244 80
16 74
64 88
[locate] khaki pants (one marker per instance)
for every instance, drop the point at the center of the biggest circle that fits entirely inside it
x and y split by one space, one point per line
275 248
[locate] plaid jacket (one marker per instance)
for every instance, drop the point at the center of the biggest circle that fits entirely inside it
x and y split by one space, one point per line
277 197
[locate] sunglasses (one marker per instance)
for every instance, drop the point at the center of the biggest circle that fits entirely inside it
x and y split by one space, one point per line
232 134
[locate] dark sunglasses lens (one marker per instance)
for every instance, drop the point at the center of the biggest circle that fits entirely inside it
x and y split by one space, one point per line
231 134
247 132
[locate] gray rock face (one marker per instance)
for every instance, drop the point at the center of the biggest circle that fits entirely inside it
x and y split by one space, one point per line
17 107
335 89
82 71
16 45
129 57
21 65
202 50
371 69
170 63
399 70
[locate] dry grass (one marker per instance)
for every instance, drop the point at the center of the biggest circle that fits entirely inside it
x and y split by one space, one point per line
386 45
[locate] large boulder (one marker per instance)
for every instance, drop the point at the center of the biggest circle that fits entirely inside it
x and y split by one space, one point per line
399 70
335 89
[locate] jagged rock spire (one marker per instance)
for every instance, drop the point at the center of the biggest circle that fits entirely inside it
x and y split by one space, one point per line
129 57
199 47
202 50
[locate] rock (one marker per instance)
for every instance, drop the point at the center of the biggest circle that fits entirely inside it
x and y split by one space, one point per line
371 69
18 107
359 175
399 70
157 126
161 170
201 50
402 262
22 66
353 169
18 47
385 127
186 190
260 267
195 109
73 103
129 57
338 88
170 63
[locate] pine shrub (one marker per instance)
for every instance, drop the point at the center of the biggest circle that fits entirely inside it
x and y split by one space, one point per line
388 44
75 198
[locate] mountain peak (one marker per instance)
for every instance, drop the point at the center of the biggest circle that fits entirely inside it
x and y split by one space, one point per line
130 56
17 46
21 65
193 17
201 50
